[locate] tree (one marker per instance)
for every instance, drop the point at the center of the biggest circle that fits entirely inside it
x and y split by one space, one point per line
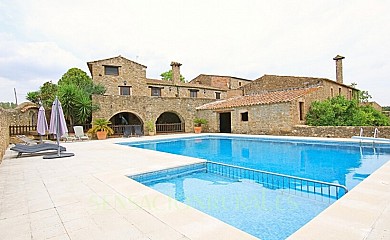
45 95
168 76
75 90
7 105
339 111
76 77
363 96
386 108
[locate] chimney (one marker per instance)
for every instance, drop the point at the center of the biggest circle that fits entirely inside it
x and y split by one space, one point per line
175 72
339 68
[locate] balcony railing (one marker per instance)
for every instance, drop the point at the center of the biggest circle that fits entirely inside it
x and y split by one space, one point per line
169 127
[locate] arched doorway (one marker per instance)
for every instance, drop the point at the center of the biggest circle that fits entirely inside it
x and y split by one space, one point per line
169 122
125 123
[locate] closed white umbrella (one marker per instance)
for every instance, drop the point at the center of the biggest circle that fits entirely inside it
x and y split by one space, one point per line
42 122
58 127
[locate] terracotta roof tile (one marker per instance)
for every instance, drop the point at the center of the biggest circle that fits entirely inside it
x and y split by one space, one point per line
260 99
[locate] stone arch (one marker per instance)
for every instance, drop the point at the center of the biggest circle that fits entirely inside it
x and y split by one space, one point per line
169 122
32 117
126 118
123 123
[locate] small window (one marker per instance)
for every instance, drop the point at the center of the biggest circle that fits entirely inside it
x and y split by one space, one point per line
155 91
301 110
239 84
331 92
125 90
217 95
193 93
244 116
339 90
111 70
350 94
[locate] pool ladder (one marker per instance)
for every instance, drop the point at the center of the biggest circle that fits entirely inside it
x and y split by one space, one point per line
317 190
375 132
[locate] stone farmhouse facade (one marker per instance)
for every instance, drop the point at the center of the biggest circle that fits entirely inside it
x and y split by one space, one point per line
270 104
133 99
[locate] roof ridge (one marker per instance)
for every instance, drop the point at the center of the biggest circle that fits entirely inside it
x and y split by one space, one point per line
259 99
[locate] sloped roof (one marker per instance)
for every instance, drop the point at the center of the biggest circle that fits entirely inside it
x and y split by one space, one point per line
284 78
23 107
260 99
213 75
102 60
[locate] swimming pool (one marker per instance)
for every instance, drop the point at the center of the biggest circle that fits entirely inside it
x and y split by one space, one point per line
268 213
264 212
345 163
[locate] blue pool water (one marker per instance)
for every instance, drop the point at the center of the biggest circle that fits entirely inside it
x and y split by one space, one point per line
335 162
267 213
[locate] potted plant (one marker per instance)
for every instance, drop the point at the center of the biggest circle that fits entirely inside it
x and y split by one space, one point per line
150 127
198 122
100 128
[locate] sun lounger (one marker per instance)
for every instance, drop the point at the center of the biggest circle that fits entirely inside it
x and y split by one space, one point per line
20 148
79 133
26 140
138 130
127 131
66 137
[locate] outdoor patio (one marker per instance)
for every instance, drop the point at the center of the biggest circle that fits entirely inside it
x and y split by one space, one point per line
88 196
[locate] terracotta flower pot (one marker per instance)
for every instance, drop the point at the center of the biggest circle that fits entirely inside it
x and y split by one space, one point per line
198 129
101 135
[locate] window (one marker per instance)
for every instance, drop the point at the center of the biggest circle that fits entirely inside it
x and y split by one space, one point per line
193 93
350 94
155 91
111 70
331 92
125 90
301 110
217 95
239 84
339 90
244 116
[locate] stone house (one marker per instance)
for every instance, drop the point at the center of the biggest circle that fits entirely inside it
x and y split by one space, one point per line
269 104
272 104
273 112
133 99
25 114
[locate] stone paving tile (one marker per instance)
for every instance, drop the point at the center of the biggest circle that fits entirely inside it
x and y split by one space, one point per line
15 227
89 197
60 237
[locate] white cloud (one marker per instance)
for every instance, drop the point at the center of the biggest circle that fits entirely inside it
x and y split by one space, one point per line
246 38
27 65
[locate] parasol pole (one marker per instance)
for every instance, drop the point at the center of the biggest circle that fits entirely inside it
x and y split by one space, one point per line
58 126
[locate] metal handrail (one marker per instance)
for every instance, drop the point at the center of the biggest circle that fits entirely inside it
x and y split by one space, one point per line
279 181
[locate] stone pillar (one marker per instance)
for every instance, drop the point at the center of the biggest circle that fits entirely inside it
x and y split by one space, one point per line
339 68
175 72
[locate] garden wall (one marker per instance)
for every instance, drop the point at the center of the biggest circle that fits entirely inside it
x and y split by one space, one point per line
337 132
5 119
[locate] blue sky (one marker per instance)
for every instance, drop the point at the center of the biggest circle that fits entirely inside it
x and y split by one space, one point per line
41 39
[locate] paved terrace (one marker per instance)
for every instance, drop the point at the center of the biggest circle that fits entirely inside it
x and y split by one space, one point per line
88 196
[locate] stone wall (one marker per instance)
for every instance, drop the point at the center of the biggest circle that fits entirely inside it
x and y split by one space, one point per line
223 82
4 131
337 132
149 108
261 119
182 90
130 74
272 83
